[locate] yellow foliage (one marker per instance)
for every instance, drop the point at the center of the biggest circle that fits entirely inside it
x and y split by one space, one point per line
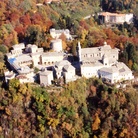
42 128
64 45
67 126
39 117
104 134
55 136
83 34
53 122
41 99
1 65
114 131
8 112
121 134
130 63
124 131
96 123
76 115
0 129
22 89
94 136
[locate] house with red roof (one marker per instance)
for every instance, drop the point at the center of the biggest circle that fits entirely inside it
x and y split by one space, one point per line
115 18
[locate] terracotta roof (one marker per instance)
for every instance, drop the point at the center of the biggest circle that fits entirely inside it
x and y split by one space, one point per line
21 77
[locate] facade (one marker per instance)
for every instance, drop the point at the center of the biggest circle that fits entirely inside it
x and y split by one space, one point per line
9 75
103 62
46 77
56 45
24 58
57 33
115 18
99 61
64 69
115 73
69 73
32 55
90 68
50 58
23 79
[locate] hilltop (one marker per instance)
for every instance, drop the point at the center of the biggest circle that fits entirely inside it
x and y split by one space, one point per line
84 108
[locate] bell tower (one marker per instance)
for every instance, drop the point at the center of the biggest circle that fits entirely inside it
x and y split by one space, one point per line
105 60
79 51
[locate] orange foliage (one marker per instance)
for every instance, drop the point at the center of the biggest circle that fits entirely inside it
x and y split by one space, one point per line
36 19
20 29
14 16
96 123
25 20
48 24
84 25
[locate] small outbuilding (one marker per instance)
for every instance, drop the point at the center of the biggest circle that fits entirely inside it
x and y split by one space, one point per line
46 77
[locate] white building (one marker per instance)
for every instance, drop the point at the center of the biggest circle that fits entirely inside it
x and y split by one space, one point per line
103 62
69 73
57 33
115 18
25 79
46 77
31 56
64 69
99 61
9 75
116 73
16 50
56 45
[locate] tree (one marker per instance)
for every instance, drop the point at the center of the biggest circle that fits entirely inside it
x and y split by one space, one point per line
135 66
3 49
96 123
14 84
34 34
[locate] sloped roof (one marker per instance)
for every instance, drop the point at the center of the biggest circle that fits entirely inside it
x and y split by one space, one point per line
62 63
111 14
68 67
119 67
45 73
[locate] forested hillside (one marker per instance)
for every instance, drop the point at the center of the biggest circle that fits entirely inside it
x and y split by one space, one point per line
80 109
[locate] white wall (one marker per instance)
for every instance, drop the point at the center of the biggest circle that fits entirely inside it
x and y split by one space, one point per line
89 71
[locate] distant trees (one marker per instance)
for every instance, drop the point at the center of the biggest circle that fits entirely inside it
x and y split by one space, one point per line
129 56
117 5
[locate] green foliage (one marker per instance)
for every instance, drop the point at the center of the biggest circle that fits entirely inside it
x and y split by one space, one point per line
3 49
135 67
14 84
34 34
117 5
26 5
72 109
36 70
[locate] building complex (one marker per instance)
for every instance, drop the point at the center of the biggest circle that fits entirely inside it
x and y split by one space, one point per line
99 61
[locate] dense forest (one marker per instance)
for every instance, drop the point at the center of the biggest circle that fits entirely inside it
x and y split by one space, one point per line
80 109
